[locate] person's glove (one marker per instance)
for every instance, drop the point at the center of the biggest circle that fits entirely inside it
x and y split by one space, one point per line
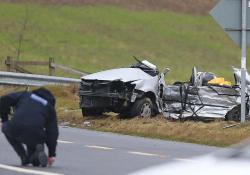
51 160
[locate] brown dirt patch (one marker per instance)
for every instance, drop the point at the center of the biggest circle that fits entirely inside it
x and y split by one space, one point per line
185 6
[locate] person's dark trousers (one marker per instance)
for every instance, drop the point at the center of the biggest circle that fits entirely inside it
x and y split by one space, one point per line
17 135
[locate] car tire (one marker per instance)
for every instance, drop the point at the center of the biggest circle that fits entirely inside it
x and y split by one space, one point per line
91 112
142 107
235 113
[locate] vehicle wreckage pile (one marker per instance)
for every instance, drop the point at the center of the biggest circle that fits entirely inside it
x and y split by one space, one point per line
140 90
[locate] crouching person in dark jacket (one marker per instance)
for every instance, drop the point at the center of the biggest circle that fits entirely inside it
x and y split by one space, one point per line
34 123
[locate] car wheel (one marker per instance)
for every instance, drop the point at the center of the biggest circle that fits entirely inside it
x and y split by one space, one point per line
91 112
235 114
142 107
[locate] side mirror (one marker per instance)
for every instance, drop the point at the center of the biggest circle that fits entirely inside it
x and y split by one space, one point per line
165 71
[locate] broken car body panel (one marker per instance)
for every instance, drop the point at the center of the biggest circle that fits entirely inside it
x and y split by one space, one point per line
199 99
205 101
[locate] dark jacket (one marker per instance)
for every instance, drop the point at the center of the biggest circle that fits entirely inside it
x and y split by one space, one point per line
33 109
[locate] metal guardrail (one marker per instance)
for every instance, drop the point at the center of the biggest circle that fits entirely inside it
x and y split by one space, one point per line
12 78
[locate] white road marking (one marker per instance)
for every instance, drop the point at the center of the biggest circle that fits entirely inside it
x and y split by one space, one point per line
146 154
64 141
27 171
184 160
99 147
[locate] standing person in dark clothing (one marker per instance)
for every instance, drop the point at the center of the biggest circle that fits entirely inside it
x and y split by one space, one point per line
34 123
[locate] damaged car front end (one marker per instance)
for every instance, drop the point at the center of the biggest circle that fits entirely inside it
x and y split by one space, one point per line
98 96
129 91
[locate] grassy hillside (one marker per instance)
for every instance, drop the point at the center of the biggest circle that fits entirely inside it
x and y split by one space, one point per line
93 38
200 7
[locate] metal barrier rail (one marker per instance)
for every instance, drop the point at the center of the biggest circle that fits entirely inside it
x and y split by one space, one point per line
12 78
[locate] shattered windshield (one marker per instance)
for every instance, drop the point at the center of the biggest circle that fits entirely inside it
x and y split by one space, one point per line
145 68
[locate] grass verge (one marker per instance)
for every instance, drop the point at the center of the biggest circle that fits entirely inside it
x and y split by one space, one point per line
211 133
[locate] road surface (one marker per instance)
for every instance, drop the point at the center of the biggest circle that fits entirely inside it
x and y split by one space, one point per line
84 152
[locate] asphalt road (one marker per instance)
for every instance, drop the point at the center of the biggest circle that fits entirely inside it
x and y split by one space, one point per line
84 152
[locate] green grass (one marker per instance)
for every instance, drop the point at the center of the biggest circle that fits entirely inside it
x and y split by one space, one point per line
93 38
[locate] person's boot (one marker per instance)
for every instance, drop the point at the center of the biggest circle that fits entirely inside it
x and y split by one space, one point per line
42 157
39 157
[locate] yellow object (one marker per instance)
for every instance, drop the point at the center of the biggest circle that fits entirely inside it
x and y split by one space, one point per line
220 81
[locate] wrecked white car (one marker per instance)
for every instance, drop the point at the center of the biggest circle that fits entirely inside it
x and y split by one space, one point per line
201 99
129 91
140 90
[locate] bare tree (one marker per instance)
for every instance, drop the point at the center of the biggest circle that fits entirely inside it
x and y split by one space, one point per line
22 31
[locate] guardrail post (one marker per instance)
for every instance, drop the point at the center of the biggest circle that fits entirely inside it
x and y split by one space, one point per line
9 63
51 66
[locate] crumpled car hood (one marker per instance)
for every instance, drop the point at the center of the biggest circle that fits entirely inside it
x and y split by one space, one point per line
123 74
